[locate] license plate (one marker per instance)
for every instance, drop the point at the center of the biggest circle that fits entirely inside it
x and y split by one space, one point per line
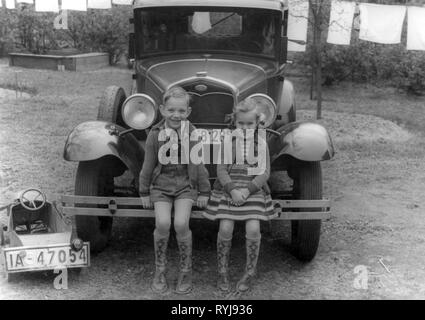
46 258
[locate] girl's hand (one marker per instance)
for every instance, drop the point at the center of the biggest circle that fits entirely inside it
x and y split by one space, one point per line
237 197
146 202
202 201
245 193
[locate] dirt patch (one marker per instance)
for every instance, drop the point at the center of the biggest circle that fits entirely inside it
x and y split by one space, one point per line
357 128
375 181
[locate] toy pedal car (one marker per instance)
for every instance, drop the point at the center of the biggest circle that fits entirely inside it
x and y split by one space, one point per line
38 237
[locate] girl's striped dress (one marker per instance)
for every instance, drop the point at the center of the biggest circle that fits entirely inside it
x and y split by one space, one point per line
258 206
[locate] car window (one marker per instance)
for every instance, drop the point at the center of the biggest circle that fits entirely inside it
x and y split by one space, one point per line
182 29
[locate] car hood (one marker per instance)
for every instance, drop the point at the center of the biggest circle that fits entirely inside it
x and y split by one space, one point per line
238 75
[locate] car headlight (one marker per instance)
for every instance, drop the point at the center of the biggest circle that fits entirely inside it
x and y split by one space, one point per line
139 111
267 107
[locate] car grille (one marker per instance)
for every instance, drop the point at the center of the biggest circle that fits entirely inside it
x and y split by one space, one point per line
211 108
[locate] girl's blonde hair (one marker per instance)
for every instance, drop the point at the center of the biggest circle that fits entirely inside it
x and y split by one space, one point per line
246 106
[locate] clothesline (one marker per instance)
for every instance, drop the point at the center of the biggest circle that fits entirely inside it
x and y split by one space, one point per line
77 5
379 23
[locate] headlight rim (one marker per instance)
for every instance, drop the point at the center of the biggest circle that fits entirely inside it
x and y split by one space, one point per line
142 95
267 97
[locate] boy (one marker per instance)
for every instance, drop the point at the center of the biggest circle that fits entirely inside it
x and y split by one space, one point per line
162 186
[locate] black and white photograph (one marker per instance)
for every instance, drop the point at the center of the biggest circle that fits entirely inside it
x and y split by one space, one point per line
212 150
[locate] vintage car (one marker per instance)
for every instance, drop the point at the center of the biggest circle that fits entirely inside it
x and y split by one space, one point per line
38 237
221 52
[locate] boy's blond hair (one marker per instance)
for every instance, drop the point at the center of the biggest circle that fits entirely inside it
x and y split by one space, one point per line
176 92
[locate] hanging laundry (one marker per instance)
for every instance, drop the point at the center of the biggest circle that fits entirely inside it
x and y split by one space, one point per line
341 22
297 24
415 28
381 23
99 4
201 22
123 2
46 6
10 4
77 5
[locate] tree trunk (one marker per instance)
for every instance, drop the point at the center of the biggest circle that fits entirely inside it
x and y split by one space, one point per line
319 74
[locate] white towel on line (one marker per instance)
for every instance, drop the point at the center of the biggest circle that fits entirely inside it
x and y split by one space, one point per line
47 5
297 24
381 23
341 22
201 22
416 28
77 5
123 2
10 4
99 4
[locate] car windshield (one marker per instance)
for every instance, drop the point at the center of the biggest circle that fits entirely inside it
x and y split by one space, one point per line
183 29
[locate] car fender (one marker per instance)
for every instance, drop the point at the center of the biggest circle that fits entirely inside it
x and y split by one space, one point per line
95 139
304 141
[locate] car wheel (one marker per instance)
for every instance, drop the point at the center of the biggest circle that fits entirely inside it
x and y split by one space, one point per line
305 234
110 105
93 179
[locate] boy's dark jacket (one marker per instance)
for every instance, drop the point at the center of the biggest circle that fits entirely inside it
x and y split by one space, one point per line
198 174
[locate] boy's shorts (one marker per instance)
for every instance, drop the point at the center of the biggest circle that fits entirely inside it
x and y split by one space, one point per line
172 184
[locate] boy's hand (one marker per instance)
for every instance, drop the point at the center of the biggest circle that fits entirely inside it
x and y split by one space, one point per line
245 193
146 202
237 197
202 201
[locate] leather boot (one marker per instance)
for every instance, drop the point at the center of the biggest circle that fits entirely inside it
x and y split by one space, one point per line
223 254
159 282
184 282
252 252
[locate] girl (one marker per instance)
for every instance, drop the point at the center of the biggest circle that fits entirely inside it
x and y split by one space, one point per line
165 186
238 196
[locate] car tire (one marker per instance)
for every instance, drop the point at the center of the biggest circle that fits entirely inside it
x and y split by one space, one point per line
93 179
110 105
305 234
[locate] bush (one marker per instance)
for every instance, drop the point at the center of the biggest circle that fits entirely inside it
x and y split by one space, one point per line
101 30
35 31
410 73
94 30
368 62
8 25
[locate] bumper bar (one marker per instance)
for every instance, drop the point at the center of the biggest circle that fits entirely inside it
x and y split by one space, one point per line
131 207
